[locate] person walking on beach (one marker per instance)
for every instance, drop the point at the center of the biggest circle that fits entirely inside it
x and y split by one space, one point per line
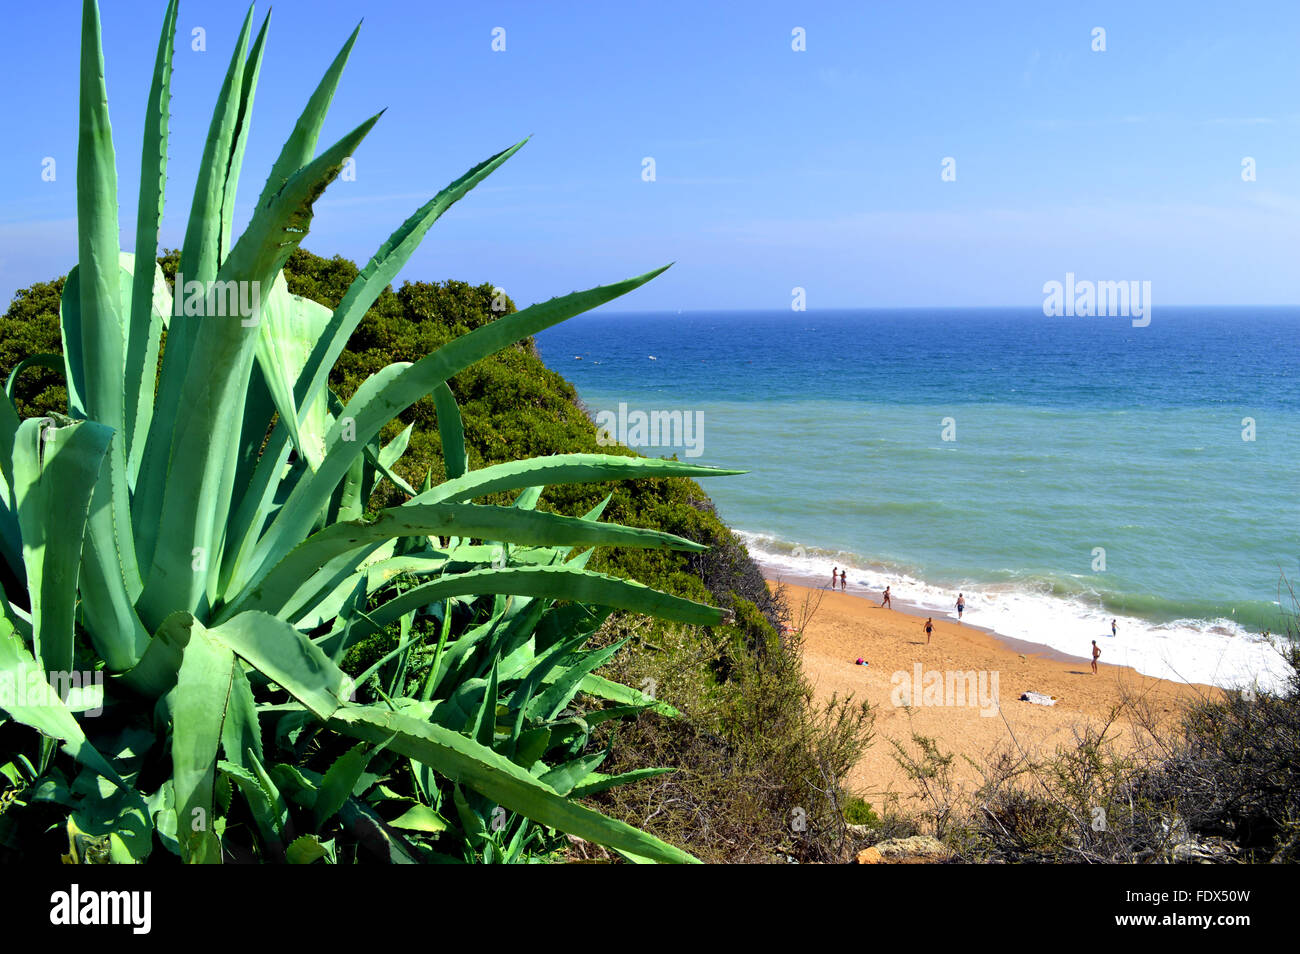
1096 651
1113 628
844 580
929 628
961 605
885 600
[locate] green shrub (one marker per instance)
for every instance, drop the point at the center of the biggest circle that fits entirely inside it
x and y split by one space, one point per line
857 811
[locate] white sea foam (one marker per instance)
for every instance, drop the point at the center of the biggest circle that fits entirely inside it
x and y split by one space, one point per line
1215 652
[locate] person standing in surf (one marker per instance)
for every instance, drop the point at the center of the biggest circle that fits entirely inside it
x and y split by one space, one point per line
844 580
1114 630
1096 651
885 600
835 571
961 606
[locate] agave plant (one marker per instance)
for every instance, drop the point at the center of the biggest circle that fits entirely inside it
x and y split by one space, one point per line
194 531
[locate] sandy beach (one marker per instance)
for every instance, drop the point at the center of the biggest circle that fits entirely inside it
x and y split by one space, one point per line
840 627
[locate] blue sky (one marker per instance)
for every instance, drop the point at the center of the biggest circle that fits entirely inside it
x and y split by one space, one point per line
774 168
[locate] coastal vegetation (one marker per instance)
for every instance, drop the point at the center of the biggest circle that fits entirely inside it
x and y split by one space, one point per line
1218 784
188 558
349 575
250 611
750 747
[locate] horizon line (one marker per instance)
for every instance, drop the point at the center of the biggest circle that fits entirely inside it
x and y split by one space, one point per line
842 308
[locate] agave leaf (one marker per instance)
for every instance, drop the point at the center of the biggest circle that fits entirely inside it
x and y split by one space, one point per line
564 778
496 777
528 498
329 590
275 592
596 782
451 428
198 706
257 501
380 463
556 582
279 807
11 544
143 329
483 727
305 850
118 814
112 577
278 227
40 706
347 504
140 340
97 249
279 230
52 361
371 408
548 705
301 144
560 469
239 140
261 805
340 779
538 673
287 658
315 682
9 423
566 620
54 471
201 254
383 268
471 821
392 452
290 326
530 746
422 818
603 688
70 330
241 733
155 674
200 469
142 350
294 154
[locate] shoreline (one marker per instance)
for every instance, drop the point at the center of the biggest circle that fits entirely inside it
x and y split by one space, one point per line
909 608
839 627
1182 651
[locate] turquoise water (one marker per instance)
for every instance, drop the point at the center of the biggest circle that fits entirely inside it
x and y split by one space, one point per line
1064 435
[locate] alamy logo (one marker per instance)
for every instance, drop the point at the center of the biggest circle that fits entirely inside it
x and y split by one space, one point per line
951 688
194 298
1103 299
75 907
27 686
651 429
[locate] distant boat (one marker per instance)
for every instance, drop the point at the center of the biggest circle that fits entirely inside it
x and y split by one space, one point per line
653 358
577 357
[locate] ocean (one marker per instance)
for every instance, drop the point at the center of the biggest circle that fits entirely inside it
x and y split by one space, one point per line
1060 472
